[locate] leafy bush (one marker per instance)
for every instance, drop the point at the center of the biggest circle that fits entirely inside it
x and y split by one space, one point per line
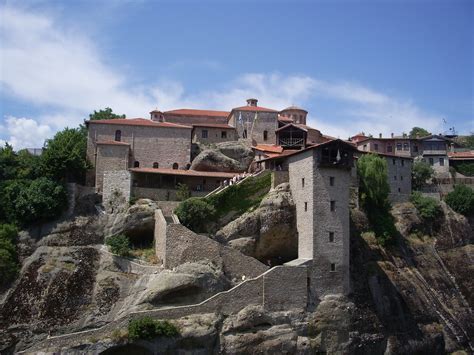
466 169
27 201
119 244
8 232
8 255
421 172
427 207
461 199
194 213
183 192
148 328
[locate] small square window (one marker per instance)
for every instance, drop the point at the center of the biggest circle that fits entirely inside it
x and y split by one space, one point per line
389 149
333 205
333 267
223 134
331 180
204 133
306 206
331 237
376 147
302 182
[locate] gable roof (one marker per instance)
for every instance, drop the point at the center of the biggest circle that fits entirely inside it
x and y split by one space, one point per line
298 126
138 122
253 109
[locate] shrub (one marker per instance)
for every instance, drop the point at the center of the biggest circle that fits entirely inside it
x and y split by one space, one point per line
461 199
427 207
119 244
148 328
421 172
183 192
9 266
8 232
466 169
194 212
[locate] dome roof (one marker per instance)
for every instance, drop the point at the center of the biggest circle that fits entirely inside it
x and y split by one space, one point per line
293 107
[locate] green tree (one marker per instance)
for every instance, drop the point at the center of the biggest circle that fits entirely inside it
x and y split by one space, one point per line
420 173
194 213
27 201
418 131
466 141
8 163
427 207
8 232
373 187
106 114
8 255
461 199
119 244
183 192
29 165
64 156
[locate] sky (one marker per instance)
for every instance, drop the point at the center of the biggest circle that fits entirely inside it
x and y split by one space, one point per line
357 66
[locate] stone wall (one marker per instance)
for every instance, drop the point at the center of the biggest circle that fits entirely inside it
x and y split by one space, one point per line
117 190
161 194
110 158
214 135
279 177
267 121
399 178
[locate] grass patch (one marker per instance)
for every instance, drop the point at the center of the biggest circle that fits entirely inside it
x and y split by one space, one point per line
146 254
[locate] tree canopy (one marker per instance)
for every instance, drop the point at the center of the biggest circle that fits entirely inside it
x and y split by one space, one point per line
106 114
421 172
461 199
418 131
374 187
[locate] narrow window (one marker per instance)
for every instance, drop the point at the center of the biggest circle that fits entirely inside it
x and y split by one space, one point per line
333 206
118 135
441 161
306 206
401 177
223 134
244 134
389 149
265 135
399 146
331 181
394 177
331 237
365 146
302 182
204 133
136 164
376 147
394 162
399 190
333 267
403 162
175 166
405 146
155 165
431 161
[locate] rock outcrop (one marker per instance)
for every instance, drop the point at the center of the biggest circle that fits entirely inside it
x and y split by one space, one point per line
226 156
268 232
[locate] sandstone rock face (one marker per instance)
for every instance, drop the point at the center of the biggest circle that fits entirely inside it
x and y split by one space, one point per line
268 232
226 156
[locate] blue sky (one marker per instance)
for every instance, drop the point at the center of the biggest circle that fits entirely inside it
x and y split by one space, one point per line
373 66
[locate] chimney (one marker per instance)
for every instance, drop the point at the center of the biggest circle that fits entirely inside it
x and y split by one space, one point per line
156 115
252 102
380 135
392 135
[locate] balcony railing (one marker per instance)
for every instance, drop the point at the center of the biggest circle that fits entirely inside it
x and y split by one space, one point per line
291 142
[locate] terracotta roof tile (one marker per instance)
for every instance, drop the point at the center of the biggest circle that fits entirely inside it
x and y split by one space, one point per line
253 109
269 148
461 155
192 112
184 172
139 122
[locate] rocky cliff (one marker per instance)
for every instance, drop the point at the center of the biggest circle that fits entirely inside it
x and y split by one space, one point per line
412 297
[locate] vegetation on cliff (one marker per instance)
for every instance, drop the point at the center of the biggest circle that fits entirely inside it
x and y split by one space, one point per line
461 199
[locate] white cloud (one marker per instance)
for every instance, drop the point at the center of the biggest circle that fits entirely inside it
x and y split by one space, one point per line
59 69
25 133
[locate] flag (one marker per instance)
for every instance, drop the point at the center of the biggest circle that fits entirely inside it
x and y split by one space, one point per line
240 118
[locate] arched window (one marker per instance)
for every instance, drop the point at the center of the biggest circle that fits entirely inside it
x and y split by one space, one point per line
155 165
265 135
175 166
136 164
118 135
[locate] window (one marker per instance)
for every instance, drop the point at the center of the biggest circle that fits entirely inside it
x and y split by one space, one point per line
441 161
399 146
302 182
204 133
175 166
389 149
306 206
244 134
394 177
415 148
431 161
405 146
331 181
265 135
403 162
376 147
401 177
333 206
155 165
399 190
223 134
136 164
394 161
333 267
118 135
331 237
365 146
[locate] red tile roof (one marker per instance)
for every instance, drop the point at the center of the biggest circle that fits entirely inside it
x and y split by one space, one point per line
112 143
139 122
461 155
192 112
179 172
254 109
269 148
213 125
